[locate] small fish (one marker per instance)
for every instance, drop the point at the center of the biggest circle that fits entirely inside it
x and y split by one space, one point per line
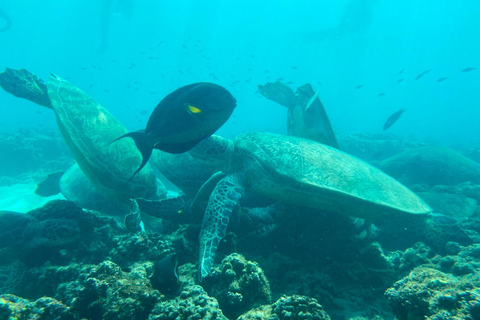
420 75
469 69
393 118
50 186
401 71
294 67
442 79
359 86
381 94
165 275
183 118
400 80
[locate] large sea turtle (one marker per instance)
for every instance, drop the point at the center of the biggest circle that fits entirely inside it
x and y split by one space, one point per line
30 239
189 171
88 129
306 116
301 172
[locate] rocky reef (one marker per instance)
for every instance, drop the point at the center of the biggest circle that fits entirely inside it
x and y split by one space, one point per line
238 285
289 308
307 265
26 154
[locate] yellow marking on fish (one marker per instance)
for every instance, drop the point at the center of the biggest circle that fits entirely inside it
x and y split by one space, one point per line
193 109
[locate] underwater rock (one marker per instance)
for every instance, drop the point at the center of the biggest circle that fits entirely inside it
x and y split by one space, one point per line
419 254
141 246
427 292
435 231
238 284
107 292
374 148
193 303
289 308
13 307
30 151
452 205
467 189
431 166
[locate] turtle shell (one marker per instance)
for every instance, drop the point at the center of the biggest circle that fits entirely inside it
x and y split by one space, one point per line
12 227
311 174
88 130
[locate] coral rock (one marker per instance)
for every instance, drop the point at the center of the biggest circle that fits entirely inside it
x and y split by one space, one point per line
239 285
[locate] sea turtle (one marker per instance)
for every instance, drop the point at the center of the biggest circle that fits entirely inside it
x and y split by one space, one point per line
76 187
306 117
88 129
188 171
31 239
432 165
301 172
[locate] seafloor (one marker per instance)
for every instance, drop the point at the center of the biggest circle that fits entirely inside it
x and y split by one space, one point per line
307 265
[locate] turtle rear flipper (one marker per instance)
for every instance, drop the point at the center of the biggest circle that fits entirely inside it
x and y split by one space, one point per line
24 84
223 200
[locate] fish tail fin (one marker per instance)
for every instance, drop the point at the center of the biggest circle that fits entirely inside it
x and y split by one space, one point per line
143 145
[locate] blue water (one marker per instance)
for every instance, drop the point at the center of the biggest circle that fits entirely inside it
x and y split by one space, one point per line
155 47
366 59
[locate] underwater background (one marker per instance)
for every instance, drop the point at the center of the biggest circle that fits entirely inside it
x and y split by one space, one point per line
366 59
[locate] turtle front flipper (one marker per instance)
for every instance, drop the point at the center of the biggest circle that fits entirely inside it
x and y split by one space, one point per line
223 200
24 84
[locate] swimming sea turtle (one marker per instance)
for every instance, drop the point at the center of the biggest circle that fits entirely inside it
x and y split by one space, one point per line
301 172
88 129
189 171
306 117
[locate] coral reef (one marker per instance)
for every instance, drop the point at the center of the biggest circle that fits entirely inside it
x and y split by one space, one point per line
193 303
289 308
13 307
446 289
107 292
29 152
238 285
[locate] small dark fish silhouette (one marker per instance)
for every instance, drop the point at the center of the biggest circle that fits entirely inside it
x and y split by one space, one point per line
420 75
183 118
401 71
359 86
400 80
442 79
49 186
393 118
469 69
381 94
165 275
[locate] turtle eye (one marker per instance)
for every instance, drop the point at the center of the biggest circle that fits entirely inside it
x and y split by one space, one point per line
193 109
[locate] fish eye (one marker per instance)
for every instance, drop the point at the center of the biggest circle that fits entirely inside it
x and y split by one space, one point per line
193 109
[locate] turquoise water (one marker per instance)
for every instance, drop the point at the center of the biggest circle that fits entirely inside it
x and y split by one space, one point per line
156 46
366 59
